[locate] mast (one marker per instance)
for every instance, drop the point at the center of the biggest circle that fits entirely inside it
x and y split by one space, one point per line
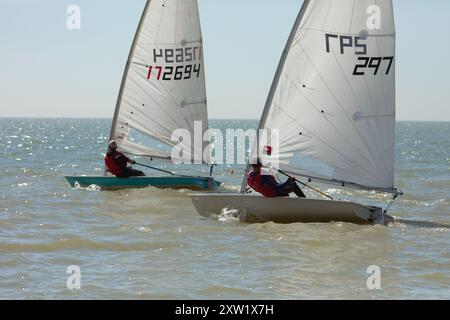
127 68
125 74
173 97
276 81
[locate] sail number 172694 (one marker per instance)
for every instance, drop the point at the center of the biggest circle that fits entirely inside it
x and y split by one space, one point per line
175 64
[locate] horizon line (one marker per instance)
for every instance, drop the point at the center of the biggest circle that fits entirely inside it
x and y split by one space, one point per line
108 118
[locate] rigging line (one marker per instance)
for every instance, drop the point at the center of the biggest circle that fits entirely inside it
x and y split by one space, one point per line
391 203
160 22
326 17
152 157
168 172
351 19
348 160
361 136
329 89
176 21
345 184
306 185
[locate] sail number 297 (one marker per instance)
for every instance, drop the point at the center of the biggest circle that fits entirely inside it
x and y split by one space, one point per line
359 45
175 64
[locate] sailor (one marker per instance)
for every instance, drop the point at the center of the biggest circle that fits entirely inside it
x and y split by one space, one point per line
268 186
116 163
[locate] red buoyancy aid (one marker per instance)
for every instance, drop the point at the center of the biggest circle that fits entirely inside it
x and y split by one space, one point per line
111 163
255 181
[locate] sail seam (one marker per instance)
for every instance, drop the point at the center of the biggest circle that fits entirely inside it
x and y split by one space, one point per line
320 139
384 35
372 155
333 95
169 43
351 19
159 105
318 110
326 17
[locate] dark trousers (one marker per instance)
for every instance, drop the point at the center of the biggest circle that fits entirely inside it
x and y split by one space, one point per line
288 187
130 172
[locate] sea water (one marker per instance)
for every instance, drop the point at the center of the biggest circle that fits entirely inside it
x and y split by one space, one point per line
151 244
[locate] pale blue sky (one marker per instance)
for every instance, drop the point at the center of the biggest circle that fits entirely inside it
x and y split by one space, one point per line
48 71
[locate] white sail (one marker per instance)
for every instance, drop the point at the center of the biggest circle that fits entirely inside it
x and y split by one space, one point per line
163 88
333 98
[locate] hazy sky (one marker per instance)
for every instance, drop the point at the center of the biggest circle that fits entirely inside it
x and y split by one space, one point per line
48 71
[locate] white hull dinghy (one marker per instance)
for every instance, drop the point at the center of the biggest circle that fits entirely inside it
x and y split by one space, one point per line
332 106
253 208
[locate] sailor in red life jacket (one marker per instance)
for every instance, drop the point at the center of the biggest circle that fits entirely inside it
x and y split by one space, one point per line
116 163
268 186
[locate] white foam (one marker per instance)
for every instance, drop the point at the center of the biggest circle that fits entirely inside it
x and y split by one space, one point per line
229 215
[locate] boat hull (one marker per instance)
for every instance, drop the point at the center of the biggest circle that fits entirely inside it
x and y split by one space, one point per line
113 183
251 208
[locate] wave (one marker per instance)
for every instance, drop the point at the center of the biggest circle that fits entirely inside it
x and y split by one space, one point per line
76 244
422 224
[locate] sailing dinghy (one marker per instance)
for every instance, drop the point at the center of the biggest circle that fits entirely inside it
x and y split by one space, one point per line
163 90
333 104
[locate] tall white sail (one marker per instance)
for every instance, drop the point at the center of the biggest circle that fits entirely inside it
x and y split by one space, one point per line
333 98
163 88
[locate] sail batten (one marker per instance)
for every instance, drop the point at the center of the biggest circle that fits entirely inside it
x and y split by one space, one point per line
333 96
163 88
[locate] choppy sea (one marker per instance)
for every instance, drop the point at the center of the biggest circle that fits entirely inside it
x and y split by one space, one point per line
151 244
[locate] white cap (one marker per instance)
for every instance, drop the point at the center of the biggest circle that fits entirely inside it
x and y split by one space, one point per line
113 144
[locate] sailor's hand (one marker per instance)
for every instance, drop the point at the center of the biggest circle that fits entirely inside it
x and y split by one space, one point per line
133 162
